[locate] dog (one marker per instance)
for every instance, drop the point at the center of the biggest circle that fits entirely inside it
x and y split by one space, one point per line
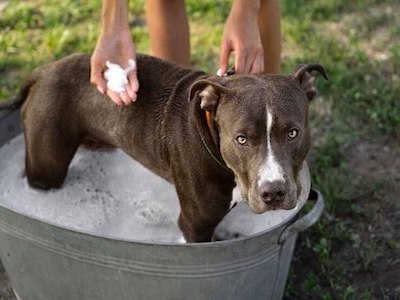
203 133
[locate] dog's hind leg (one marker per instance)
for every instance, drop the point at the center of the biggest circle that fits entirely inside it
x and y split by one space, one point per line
48 155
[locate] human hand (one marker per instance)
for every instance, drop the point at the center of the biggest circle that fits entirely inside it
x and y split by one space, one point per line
117 48
242 36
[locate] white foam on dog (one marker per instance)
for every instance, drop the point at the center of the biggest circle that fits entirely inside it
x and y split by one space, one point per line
108 193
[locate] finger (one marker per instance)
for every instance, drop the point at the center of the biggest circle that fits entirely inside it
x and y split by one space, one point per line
249 59
115 97
133 81
125 98
258 65
240 62
96 77
133 86
98 81
131 94
248 62
224 58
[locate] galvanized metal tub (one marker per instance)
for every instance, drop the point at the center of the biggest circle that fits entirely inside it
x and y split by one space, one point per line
46 261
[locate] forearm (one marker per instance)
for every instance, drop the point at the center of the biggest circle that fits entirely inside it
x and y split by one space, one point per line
269 21
115 16
248 8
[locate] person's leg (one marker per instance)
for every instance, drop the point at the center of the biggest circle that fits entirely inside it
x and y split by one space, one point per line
169 30
269 21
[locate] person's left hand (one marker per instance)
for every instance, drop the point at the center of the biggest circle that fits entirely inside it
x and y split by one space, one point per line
242 36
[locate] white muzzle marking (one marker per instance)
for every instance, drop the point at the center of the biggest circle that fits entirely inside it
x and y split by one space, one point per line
271 170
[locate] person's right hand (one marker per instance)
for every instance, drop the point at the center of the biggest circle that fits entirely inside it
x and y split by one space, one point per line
118 48
242 36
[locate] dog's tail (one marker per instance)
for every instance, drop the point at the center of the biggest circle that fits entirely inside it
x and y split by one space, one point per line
17 100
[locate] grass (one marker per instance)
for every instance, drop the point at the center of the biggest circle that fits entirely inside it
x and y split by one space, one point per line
357 41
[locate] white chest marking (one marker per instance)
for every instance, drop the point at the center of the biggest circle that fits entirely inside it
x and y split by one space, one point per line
270 170
181 240
236 196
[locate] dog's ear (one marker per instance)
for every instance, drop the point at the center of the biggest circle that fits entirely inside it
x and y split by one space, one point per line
302 75
208 92
204 96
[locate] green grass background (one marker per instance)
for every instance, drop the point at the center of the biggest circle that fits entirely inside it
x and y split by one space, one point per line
358 43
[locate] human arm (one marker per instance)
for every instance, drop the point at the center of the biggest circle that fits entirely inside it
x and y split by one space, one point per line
252 32
115 45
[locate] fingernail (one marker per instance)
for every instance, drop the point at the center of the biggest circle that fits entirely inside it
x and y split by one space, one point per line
100 89
219 72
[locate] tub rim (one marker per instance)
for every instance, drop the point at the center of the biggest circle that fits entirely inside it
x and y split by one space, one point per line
293 225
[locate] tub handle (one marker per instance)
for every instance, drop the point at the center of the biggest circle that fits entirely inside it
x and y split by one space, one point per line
306 221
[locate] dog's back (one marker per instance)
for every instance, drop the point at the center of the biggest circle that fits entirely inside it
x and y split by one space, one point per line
61 109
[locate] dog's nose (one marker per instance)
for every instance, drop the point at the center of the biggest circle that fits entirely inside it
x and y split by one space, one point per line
272 191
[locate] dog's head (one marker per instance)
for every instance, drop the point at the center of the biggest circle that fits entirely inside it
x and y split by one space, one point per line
258 124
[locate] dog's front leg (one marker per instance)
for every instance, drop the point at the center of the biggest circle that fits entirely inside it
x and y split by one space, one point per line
203 206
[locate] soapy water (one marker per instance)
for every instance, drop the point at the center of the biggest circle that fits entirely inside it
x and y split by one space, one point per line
108 193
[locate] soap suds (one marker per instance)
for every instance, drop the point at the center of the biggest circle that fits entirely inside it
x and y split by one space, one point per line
108 193
117 77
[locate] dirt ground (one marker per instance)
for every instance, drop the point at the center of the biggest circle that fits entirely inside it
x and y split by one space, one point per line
379 162
371 265
374 161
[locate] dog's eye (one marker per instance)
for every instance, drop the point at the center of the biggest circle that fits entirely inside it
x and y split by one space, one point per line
292 134
241 139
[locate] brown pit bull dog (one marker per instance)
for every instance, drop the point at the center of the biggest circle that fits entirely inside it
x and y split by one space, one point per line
203 133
